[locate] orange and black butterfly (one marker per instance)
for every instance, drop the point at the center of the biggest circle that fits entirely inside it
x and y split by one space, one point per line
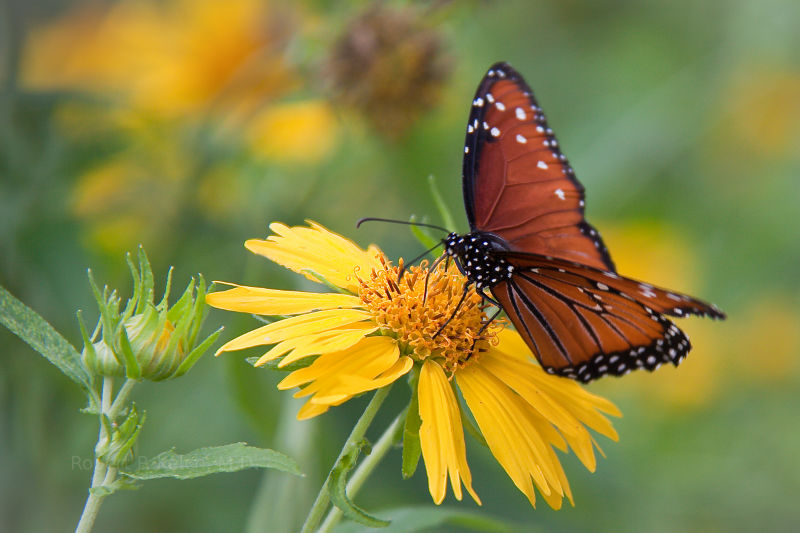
544 265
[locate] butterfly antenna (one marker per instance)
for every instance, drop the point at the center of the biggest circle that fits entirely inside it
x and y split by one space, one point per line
420 256
404 222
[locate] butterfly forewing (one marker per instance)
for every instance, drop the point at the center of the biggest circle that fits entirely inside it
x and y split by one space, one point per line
517 183
544 264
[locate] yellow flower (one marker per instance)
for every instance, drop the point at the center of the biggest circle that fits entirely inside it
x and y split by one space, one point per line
172 58
381 326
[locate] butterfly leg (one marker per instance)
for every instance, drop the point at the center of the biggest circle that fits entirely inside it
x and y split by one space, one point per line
453 314
431 269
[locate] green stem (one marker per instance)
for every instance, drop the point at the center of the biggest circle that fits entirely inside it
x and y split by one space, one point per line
323 498
379 451
103 474
122 397
93 501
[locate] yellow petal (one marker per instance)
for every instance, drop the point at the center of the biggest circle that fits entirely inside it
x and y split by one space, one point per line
297 326
317 253
328 341
352 385
310 410
368 358
567 393
260 301
332 341
523 377
513 433
441 435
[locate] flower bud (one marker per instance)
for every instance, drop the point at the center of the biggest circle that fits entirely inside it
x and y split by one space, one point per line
117 449
147 340
101 361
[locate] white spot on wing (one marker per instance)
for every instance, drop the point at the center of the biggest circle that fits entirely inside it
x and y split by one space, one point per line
521 139
521 114
560 194
495 132
500 106
542 165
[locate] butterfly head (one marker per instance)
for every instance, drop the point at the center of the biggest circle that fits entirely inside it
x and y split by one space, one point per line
478 258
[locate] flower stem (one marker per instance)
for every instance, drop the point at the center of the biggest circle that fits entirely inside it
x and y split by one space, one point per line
122 396
379 451
323 498
103 474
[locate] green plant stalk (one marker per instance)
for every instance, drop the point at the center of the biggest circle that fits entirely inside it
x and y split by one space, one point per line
103 474
379 451
320 505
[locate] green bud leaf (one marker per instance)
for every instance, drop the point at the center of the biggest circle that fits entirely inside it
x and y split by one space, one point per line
195 354
338 490
42 337
211 460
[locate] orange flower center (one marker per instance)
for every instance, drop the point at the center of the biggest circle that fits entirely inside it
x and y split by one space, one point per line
423 320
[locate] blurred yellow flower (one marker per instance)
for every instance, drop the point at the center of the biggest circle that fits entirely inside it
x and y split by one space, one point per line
170 58
294 132
766 339
652 251
381 326
762 111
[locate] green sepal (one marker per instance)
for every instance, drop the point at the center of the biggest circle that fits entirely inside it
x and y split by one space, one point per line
338 488
411 443
133 370
291 367
195 354
118 484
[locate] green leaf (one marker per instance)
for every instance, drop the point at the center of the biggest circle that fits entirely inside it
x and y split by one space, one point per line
422 236
212 460
444 212
291 367
29 326
338 491
411 445
423 518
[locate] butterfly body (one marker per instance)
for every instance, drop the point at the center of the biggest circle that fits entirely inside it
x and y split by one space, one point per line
479 257
544 264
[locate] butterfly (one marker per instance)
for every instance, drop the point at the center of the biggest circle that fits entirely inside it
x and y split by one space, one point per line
530 246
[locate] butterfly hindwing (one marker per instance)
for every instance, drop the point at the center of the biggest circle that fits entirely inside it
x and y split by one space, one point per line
584 322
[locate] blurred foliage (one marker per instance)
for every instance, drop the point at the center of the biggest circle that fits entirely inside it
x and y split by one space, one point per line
187 126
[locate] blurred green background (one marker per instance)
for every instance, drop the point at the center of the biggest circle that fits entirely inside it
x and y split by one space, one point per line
188 126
